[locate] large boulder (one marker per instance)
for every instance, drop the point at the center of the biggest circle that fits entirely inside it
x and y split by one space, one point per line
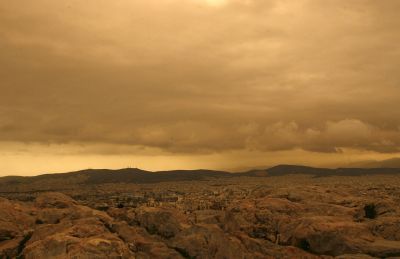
387 228
52 208
260 218
143 244
260 248
16 223
326 235
82 238
54 200
208 241
11 248
165 222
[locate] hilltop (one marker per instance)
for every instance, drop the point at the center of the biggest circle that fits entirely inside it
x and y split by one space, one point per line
138 176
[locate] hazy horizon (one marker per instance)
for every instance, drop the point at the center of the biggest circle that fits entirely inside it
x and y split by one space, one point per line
215 84
388 163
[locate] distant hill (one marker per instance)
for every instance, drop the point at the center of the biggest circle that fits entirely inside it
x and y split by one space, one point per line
126 175
388 163
135 175
282 170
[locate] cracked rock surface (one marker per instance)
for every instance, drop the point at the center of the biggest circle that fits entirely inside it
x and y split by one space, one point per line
257 220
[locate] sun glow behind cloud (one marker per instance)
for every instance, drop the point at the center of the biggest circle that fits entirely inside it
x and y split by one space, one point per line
213 2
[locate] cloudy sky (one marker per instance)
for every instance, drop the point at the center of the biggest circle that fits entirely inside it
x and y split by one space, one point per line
224 84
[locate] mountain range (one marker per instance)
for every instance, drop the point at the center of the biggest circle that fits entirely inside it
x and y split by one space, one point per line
135 175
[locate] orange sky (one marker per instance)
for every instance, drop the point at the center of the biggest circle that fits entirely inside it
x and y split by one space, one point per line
223 84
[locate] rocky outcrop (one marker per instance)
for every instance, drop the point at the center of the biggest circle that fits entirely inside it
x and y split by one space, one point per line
165 222
16 225
274 223
68 230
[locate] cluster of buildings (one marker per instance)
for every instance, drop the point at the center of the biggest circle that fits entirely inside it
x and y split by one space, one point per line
189 200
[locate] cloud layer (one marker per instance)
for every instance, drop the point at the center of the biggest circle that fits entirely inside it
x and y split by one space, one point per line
202 76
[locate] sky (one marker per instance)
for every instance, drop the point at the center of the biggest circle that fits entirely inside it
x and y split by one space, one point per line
183 84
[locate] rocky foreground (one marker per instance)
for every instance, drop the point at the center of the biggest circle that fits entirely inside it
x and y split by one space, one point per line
290 221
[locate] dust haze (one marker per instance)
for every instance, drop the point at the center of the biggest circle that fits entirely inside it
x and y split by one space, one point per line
198 78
